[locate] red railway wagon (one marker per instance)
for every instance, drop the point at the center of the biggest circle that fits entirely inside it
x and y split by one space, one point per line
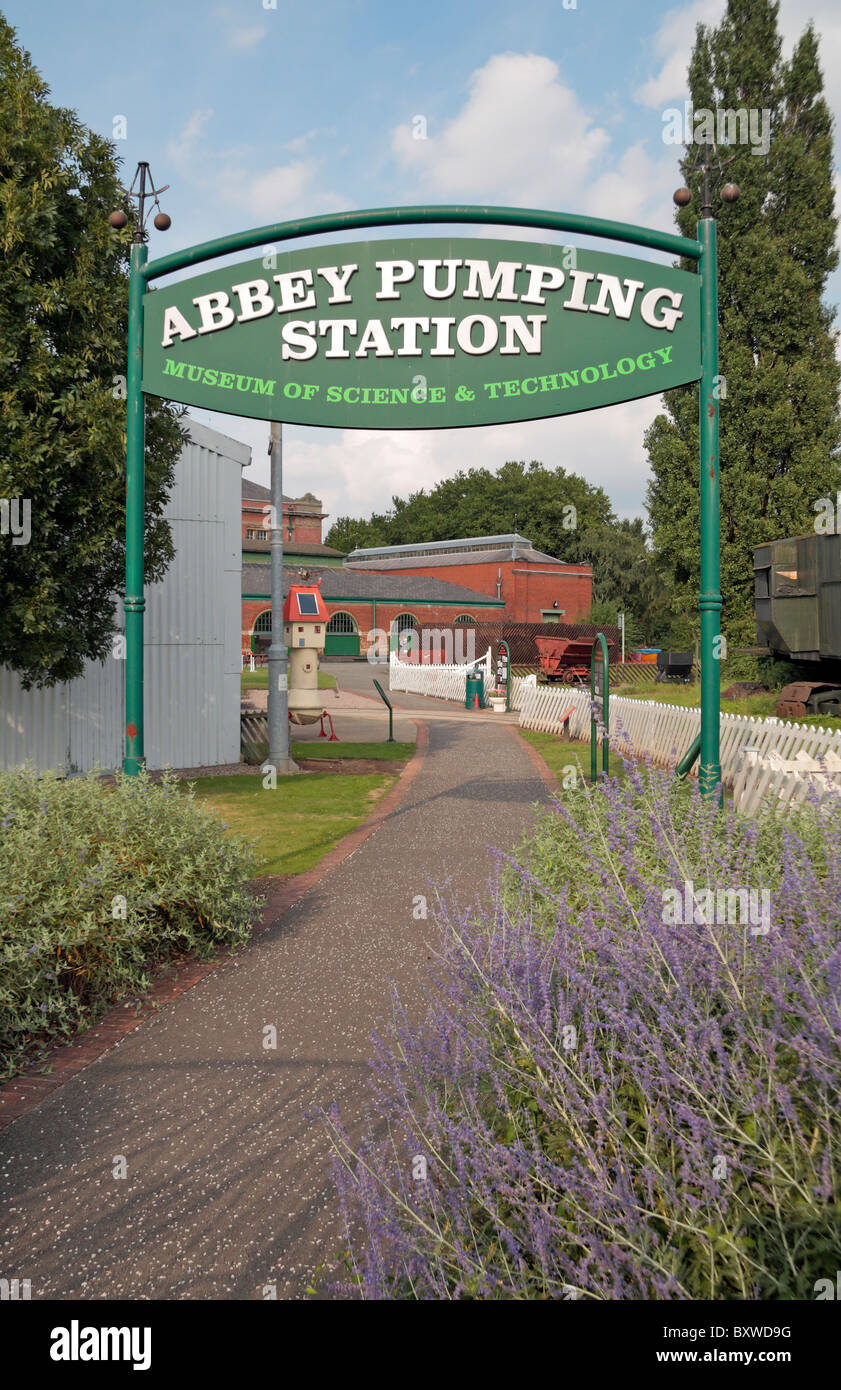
567 659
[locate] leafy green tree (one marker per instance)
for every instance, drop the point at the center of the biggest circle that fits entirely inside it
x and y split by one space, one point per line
348 534
550 506
779 419
63 323
627 579
560 513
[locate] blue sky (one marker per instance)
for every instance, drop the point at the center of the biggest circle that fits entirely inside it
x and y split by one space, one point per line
255 114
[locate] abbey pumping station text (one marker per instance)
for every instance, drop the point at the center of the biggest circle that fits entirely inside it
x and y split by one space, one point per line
423 333
297 292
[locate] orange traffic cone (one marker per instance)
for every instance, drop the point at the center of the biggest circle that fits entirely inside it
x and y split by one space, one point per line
475 700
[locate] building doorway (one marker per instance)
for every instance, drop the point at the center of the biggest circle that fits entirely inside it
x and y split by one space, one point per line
342 636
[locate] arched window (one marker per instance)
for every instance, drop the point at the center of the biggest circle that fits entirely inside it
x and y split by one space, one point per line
405 635
465 618
261 633
342 622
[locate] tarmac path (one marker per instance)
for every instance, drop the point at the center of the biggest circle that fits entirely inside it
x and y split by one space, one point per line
227 1189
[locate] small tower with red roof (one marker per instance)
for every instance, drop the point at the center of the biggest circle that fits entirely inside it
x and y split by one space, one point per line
305 620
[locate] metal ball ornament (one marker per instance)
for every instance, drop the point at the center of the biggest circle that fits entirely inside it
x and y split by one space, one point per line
682 196
730 192
118 220
163 222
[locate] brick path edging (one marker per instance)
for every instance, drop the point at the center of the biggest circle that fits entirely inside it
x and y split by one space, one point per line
22 1093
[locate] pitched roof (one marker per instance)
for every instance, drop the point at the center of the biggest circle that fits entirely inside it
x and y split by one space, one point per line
292 547
455 557
505 542
469 550
256 492
338 584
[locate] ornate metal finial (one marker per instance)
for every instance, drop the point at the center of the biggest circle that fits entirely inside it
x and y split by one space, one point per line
142 194
704 164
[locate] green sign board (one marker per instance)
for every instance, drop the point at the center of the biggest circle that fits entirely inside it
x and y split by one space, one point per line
424 333
431 333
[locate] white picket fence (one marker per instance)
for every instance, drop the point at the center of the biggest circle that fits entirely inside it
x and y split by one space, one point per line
758 756
442 682
788 780
448 682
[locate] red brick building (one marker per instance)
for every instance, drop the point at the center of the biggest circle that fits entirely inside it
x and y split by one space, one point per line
535 588
444 585
302 519
363 604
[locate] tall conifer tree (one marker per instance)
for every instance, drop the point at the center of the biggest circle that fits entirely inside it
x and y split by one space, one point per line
779 419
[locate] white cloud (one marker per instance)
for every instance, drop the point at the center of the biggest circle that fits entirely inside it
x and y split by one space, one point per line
633 190
272 195
826 16
520 137
182 149
672 46
523 138
300 142
246 38
238 36
277 194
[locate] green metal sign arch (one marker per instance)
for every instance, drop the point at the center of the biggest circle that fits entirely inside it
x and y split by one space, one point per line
421 334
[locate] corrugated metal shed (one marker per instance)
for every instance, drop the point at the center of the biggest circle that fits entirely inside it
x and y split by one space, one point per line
192 643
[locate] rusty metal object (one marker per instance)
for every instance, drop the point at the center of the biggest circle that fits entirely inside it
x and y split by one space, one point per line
566 659
803 697
790 709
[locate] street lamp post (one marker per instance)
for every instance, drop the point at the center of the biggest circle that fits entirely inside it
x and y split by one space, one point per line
134 600
709 602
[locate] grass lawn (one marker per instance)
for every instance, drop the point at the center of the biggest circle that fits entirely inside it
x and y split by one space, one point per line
293 826
559 754
259 680
386 752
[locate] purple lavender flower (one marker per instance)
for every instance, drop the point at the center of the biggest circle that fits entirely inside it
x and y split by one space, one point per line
611 1103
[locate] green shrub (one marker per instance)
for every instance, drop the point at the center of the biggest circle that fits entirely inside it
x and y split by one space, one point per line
774 672
97 884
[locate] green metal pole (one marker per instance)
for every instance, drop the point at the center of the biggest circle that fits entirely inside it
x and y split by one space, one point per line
594 756
709 772
605 698
605 705
134 601
396 217
685 765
